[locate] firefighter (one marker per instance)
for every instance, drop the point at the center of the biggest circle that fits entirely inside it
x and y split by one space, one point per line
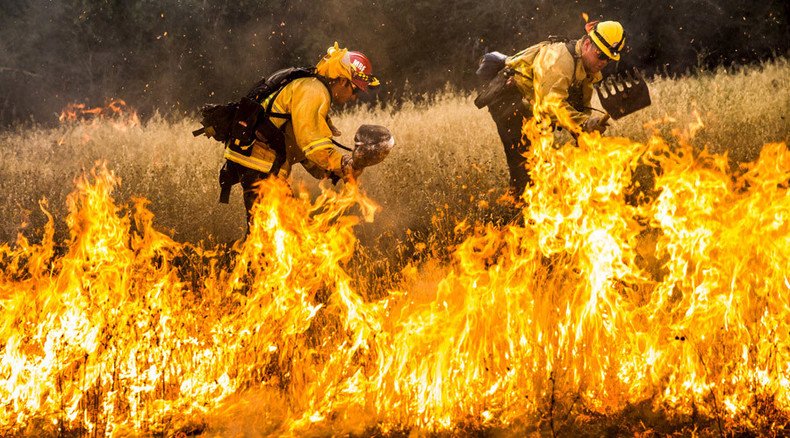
303 106
559 76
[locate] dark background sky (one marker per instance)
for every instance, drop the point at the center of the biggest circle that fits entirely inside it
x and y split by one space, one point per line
175 55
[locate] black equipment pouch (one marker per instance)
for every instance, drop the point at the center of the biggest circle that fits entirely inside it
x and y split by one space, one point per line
228 177
245 123
217 121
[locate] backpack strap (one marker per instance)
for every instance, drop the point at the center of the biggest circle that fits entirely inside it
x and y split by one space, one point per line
272 98
273 134
571 46
575 97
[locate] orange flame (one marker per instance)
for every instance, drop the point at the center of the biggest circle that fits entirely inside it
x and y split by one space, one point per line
116 110
590 305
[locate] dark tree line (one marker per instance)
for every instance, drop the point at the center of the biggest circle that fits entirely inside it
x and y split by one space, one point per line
172 56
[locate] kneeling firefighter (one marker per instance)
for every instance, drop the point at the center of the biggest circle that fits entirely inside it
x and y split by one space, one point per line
285 120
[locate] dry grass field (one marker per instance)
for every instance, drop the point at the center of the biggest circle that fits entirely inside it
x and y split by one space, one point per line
448 157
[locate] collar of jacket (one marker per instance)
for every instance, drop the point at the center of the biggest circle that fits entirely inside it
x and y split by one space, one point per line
324 80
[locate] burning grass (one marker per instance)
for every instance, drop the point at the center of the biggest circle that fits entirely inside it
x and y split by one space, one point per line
584 314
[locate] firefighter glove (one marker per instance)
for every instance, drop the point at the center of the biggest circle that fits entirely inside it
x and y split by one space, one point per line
348 167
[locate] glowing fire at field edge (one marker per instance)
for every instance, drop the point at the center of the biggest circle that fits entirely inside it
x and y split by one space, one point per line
682 299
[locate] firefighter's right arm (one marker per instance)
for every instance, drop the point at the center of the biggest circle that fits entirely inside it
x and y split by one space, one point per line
313 135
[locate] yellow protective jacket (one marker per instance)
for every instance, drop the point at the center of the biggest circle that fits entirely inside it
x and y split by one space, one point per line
308 137
547 73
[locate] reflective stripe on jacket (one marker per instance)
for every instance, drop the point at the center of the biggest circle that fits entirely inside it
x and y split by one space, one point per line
546 72
308 138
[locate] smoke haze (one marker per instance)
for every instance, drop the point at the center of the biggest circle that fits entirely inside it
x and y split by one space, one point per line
172 56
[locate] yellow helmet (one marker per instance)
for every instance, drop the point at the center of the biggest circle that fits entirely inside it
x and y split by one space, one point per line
608 36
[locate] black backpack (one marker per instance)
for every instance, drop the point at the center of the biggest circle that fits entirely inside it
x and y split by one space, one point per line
236 123
494 77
